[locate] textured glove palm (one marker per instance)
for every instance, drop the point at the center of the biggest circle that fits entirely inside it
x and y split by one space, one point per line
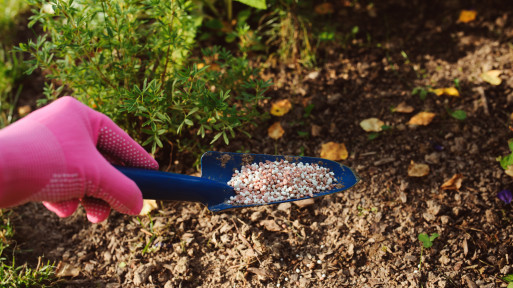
58 155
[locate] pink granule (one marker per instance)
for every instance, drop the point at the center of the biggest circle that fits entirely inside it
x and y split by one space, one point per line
278 181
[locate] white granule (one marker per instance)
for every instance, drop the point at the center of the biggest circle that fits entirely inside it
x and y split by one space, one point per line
278 181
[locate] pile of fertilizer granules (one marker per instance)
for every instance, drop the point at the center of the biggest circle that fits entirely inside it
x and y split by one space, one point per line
278 181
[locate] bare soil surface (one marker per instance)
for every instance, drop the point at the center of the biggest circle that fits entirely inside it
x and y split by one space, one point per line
366 236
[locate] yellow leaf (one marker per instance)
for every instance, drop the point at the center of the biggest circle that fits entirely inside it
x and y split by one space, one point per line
372 125
422 118
418 169
509 171
24 110
334 151
275 131
450 91
148 206
467 16
280 108
454 183
403 108
324 8
492 77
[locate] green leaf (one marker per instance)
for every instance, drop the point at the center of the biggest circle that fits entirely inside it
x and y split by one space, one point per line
424 238
433 237
372 135
302 133
259 4
510 285
508 278
458 114
506 161
225 137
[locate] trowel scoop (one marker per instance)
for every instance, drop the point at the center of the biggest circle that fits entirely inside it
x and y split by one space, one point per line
217 169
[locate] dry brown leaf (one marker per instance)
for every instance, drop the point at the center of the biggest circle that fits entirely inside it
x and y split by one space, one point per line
66 270
281 107
422 118
467 16
454 183
334 151
403 108
492 77
148 206
372 125
324 8
270 225
275 131
418 169
24 110
449 91
316 130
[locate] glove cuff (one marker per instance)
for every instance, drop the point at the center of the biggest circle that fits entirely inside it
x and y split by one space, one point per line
29 156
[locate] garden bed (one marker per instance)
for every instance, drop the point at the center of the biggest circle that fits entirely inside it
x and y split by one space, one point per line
366 236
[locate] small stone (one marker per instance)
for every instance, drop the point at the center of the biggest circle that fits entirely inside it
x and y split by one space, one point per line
433 207
445 219
433 158
255 216
304 203
444 259
428 216
491 217
403 197
285 207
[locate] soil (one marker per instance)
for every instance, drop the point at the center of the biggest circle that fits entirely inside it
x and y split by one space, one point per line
366 236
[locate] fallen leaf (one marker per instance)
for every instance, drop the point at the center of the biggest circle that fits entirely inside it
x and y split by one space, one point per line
275 131
454 183
66 270
280 108
372 125
492 77
148 206
418 169
316 130
467 16
24 110
403 108
334 151
324 8
449 91
422 118
270 225
509 171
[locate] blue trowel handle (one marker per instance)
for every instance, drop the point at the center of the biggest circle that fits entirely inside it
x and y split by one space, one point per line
160 185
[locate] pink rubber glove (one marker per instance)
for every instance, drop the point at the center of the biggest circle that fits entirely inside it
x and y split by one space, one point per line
58 154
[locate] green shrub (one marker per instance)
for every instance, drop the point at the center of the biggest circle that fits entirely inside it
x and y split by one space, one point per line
11 65
128 59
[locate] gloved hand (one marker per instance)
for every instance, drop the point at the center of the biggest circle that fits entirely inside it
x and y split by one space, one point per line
58 155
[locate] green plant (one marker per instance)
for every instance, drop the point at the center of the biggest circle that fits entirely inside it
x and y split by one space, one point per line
11 70
290 31
129 60
11 64
427 242
13 275
508 279
421 91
